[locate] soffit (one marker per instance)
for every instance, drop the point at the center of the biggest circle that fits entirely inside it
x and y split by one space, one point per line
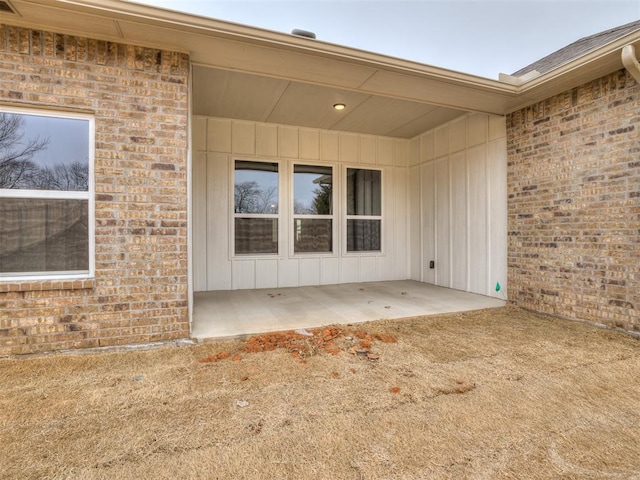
237 95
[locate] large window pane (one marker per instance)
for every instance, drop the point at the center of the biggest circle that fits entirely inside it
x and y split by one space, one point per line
39 152
312 190
363 235
256 235
256 187
364 192
43 235
312 235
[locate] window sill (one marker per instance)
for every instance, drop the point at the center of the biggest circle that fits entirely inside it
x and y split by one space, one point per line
364 253
44 285
314 255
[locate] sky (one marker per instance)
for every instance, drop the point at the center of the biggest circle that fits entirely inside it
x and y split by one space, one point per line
480 37
68 139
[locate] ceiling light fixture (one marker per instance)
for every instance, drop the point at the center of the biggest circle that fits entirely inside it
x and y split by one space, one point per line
339 106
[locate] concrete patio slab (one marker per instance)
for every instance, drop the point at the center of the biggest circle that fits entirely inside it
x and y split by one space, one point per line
239 312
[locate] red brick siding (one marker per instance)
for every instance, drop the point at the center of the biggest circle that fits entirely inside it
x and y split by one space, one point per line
574 203
139 97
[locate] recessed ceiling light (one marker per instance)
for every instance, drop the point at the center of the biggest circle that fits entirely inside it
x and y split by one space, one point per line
339 106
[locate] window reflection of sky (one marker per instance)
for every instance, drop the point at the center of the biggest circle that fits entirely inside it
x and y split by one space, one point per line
68 139
265 180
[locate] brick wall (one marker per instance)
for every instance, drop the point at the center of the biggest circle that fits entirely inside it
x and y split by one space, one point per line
139 98
574 203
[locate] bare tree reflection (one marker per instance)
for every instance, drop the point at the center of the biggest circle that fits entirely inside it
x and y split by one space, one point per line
16 166
17 169
249 198
68 177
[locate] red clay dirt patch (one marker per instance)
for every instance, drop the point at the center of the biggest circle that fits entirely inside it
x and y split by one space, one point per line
328 340
215 357
385 337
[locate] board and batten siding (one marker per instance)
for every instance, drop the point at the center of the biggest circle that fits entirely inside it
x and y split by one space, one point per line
458 205
217 142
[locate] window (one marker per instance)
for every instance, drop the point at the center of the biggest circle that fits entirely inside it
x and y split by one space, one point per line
364 210
312 209
255 207
46 191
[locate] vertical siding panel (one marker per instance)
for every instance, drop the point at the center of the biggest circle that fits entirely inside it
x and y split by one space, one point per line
309 271
368 150
414 152
369 269
330 270
401 237
329 150
266 140
427 146
497 127
477 204
385 151
443 260
441 141
266 273
218 221
415 242
458 135
349 270
429 215
199 134
309 144
244 274
477 125
243 138
400 153
199 219
218 135
348 148
497 158
459 222
288 142
392 264
288 273
385 267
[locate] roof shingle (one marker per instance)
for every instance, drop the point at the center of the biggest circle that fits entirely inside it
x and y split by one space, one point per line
578 48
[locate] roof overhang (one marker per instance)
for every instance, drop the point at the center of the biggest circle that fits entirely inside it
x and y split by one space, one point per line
215 46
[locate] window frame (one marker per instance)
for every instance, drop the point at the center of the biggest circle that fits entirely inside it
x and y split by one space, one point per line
334 215
88 195
348 217
232 222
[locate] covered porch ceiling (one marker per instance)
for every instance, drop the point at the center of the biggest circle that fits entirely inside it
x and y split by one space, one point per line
231 94
248 73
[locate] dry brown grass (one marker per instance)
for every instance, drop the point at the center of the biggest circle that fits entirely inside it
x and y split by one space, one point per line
499 393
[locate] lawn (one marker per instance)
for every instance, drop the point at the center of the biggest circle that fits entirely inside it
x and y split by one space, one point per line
500 393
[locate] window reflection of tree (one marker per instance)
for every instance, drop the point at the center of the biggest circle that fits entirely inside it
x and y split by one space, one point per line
249 198
19 171
322 199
